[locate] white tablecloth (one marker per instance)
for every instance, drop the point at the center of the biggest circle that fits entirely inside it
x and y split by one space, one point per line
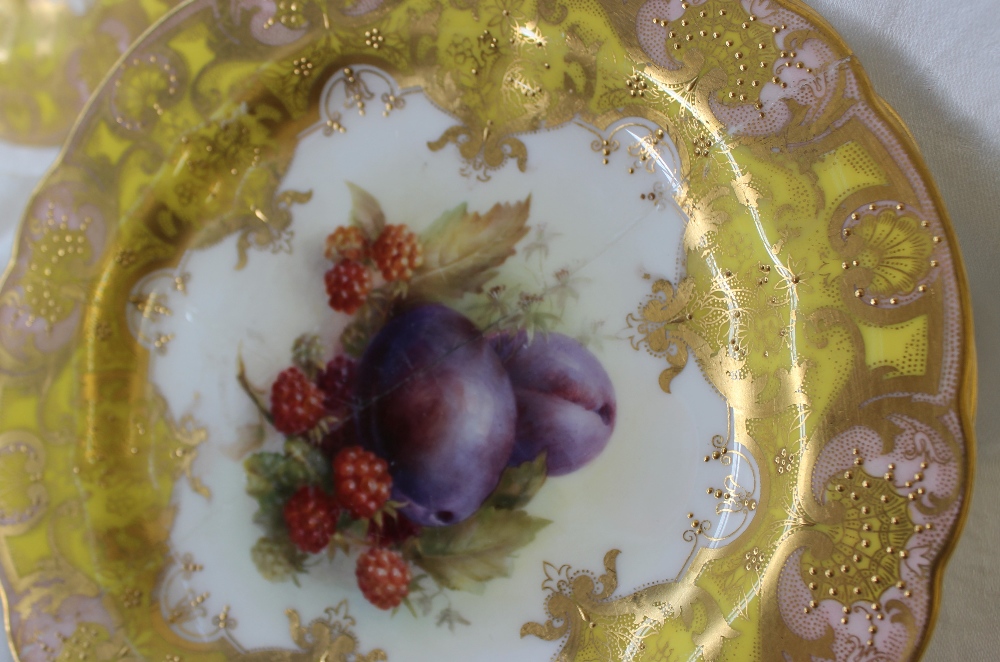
935 61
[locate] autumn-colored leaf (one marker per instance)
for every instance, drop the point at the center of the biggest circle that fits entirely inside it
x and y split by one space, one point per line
462 250
366 213
465 555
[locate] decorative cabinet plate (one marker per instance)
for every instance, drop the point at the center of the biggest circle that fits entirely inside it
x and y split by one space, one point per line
483 330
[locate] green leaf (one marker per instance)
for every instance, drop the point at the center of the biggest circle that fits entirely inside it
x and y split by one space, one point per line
312 463
283 473
262 473
307 354
468 554
366 213
270 513
277 559
462 251
518 485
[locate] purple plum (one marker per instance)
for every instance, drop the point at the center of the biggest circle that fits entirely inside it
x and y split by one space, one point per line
438 405
565 400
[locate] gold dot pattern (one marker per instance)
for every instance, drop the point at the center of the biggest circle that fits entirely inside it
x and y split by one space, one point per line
721 31
867 545
59 255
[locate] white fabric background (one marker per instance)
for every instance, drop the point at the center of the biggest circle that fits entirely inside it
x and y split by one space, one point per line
935 62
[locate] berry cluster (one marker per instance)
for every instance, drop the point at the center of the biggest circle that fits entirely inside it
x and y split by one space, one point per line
420 394
349 508
395 253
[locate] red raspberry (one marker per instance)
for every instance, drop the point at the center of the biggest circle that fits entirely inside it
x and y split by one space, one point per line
337 383
397 252
362 481
394 530
296 403
348 284
347 243
311 518
383 577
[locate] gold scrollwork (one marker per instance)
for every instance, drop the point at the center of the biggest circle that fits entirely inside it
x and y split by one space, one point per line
598 627
327 639
661 326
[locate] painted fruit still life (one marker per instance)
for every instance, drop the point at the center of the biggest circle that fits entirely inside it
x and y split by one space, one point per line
415 438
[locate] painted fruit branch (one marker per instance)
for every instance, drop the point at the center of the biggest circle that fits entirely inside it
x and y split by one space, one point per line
416 447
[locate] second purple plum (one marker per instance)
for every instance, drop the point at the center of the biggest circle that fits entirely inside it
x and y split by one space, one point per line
565 400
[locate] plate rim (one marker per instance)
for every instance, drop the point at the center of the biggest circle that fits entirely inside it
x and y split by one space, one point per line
967 390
